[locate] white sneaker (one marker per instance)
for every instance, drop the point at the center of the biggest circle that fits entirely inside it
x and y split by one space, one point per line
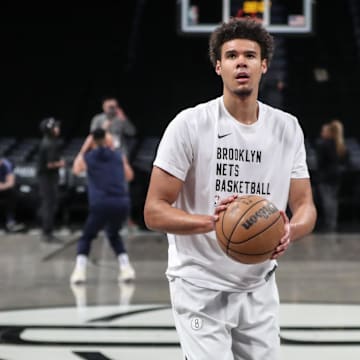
127 273
126 292
78 276
79 292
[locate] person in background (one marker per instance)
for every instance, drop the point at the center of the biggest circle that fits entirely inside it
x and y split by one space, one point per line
331 155
8 195
48 164
114 120
107 173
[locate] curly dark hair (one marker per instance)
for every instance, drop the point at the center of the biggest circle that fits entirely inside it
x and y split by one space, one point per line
237 28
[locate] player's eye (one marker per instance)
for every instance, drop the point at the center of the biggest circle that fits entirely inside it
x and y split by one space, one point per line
231 56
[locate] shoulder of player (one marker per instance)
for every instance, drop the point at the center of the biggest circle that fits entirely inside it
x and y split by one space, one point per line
197 113
288 120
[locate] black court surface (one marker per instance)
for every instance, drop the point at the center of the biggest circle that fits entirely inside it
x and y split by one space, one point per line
43 317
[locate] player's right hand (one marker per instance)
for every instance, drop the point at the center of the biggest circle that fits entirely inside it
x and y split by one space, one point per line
224 203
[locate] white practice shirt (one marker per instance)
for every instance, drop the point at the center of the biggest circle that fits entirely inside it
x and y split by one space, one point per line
217 156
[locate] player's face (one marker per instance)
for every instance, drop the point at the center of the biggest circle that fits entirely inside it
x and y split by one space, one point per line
241 66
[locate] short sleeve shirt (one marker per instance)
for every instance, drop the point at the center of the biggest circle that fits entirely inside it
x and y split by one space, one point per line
215 156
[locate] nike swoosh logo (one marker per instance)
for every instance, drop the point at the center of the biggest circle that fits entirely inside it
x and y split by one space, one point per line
222 136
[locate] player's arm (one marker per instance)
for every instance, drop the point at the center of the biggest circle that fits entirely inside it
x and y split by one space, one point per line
302 208
303 214
159 213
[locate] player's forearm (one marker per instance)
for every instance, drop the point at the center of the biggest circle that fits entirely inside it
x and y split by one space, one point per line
303 221
165 218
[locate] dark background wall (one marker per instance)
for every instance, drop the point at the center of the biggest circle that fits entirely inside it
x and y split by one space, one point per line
60 59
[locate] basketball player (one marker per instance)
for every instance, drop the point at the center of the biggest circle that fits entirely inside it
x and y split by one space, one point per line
109 201
230 146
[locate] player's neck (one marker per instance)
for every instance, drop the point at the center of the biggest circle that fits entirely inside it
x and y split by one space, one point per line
243 109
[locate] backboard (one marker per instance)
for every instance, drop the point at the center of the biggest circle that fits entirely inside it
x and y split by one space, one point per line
278 16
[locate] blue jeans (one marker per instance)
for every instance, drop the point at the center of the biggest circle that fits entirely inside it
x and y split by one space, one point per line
107 217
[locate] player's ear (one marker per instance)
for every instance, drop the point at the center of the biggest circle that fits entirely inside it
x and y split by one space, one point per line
218 67
264 66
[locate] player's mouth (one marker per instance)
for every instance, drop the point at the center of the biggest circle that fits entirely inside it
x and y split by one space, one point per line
242 77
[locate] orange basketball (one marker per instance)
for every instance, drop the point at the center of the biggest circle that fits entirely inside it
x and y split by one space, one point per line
250 229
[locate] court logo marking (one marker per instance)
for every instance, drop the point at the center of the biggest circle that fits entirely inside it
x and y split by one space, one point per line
135 331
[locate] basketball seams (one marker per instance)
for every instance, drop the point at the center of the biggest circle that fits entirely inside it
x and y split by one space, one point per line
232 232
222 230
259 233
241 214
254 254
241 217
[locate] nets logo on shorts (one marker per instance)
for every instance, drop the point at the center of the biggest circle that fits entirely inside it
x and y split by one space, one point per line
196 323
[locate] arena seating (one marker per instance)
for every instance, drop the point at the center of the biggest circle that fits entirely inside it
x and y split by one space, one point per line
73 189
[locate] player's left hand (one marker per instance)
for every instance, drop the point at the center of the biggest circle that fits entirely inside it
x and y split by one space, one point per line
285 240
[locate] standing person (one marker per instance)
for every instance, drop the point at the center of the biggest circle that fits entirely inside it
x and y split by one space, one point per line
8 195
114 120
208 155
331 153
48 164
109 202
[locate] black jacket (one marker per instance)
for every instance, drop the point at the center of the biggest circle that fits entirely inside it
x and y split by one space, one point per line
49 151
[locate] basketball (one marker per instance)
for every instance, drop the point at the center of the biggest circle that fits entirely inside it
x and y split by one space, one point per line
250 229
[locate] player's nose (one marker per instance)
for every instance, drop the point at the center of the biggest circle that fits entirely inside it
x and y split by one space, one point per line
241 62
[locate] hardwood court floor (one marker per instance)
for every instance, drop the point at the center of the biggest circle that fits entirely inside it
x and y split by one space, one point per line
318 281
